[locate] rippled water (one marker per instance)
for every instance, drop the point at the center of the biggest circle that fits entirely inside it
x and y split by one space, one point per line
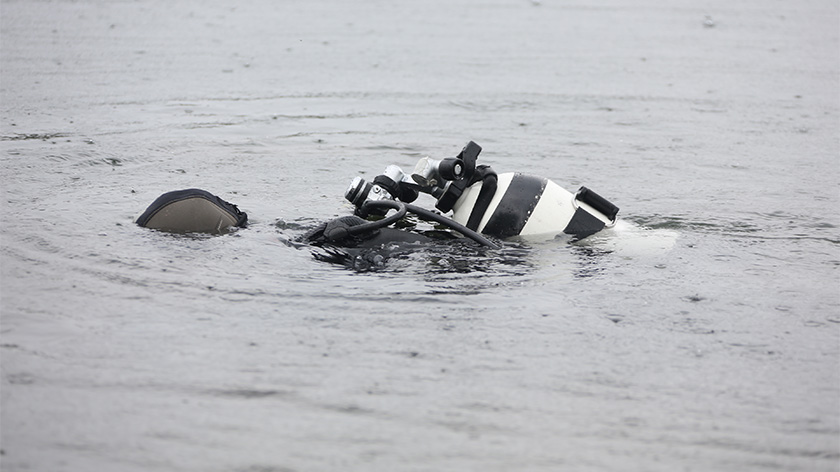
701 333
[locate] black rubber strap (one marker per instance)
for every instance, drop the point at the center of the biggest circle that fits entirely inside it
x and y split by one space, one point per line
485 196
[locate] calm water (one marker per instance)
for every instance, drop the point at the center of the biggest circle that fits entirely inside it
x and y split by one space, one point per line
702 333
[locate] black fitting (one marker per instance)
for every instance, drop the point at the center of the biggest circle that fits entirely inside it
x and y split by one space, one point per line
398 190
451 168
469 156
597 202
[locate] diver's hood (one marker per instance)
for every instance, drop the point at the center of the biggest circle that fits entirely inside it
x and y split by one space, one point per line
191 210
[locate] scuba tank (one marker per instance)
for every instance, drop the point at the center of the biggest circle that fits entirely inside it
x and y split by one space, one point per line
497 205
525 205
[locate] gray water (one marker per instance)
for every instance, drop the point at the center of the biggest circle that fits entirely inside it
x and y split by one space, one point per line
700 334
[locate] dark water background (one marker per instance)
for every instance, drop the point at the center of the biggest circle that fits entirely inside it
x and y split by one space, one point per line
703 333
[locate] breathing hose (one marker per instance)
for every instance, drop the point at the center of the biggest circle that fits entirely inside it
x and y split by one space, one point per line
395 205
420 212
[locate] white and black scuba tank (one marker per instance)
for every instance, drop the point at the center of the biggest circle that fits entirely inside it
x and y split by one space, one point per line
515 204
481 201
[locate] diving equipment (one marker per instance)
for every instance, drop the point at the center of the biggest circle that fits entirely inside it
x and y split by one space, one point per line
484 206
191 211
497 205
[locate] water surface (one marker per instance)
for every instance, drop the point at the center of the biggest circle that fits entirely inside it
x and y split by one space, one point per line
701 333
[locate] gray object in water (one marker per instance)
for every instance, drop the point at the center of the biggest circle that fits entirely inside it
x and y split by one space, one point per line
192 211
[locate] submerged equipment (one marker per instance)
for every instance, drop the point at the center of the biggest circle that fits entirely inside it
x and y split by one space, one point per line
484 205
192 211
355 231
497 205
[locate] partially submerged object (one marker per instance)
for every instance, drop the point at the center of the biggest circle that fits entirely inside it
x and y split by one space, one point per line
485 206
495 205
192 211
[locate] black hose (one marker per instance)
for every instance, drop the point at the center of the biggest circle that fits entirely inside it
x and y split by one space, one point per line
341 228
420 212
432 216
373 225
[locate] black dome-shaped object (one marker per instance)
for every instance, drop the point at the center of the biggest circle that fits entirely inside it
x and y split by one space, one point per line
191 211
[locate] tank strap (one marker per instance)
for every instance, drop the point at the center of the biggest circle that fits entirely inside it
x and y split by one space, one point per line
488 179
